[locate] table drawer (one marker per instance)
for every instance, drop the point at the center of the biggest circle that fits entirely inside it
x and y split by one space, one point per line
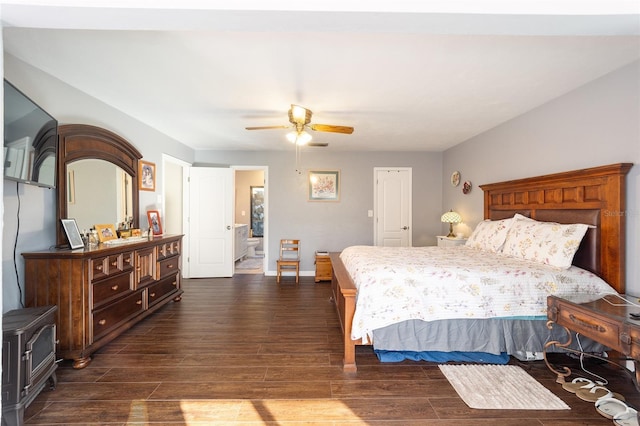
111 288
110 317
634 335
158 291
591 325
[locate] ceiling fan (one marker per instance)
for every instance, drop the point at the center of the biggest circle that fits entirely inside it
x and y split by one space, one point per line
300 118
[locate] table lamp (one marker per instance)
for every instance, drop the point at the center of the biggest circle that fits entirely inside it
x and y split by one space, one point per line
451 217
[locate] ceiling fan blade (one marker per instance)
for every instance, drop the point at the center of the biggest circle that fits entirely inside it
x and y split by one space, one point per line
318 144
266 127
331 128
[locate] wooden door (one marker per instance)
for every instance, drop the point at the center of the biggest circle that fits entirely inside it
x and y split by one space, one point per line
210 222
392 200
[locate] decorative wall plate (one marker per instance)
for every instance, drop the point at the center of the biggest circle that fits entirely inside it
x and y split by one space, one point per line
466 187
455 178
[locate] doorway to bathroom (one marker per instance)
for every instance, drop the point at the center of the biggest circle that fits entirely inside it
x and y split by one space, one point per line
250 220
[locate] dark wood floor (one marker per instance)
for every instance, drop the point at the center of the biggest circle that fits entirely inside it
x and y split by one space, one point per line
247 351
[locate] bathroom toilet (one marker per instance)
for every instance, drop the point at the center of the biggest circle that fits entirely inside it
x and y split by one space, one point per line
252 243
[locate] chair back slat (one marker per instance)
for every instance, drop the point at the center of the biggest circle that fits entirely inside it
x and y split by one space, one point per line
289 249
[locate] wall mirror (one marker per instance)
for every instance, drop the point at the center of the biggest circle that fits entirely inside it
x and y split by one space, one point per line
257 211
97 178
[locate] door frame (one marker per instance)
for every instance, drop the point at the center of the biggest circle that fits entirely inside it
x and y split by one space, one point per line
184 250
265 236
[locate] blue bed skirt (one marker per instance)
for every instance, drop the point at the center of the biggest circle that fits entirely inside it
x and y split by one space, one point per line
442 357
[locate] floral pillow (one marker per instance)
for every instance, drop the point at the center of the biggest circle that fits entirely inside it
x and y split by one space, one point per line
544 242
489 235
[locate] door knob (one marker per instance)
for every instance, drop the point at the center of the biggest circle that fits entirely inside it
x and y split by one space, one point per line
404 228
228 227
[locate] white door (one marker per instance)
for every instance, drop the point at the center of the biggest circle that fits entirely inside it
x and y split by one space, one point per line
392 200
210 222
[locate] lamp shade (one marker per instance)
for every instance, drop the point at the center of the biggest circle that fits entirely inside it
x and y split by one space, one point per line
451 217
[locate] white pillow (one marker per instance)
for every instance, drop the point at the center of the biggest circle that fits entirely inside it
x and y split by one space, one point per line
518 216
489 235
544 242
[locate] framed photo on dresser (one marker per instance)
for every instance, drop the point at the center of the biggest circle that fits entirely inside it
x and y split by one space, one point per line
73 234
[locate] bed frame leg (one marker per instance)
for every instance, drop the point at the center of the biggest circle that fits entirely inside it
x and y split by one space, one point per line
349 362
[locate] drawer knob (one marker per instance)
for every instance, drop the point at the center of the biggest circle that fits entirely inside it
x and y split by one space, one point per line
99 267
114 263
102 322
175 283
152 295
587 324
138 302
115 287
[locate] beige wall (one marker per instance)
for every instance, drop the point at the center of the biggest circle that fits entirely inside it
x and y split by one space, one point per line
245 179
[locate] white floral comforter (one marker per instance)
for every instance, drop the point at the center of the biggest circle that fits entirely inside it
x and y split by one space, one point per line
434 283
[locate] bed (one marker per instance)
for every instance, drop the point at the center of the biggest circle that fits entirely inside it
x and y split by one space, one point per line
595 197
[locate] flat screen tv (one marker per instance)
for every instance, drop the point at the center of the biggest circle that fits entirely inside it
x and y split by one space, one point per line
30 140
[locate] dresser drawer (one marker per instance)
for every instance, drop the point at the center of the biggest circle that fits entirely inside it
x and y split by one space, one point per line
111 288
110 317
98 268
168 249
168 267
102 267
591 325
163 288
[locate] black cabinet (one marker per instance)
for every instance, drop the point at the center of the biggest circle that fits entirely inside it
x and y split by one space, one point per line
28 358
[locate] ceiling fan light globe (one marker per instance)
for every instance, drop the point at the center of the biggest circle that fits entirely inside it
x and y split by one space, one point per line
303 138
292 136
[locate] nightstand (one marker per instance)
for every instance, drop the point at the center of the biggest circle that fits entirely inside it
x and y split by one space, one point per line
444 241
323 267
605 320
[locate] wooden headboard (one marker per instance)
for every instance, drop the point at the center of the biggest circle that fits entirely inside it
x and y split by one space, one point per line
594 196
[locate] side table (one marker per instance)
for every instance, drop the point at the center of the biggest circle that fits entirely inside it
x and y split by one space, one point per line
606 321
323 267
444 241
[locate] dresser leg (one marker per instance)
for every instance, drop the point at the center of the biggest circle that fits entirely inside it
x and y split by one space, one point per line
79 363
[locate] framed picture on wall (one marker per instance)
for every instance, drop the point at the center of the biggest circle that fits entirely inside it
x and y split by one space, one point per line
147 175
324 185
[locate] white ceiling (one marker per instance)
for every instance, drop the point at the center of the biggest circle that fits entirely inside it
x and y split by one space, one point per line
407 77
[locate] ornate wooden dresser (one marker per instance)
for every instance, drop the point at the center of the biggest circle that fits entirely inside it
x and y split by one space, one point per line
101 292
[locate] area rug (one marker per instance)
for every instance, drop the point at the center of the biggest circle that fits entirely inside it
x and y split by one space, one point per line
500 387
250 263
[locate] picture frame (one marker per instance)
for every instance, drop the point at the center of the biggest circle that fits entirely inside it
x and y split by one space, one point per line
106 232
73 233
155 224
324 185
146 175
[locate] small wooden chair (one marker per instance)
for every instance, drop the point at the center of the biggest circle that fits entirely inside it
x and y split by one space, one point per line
289 258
